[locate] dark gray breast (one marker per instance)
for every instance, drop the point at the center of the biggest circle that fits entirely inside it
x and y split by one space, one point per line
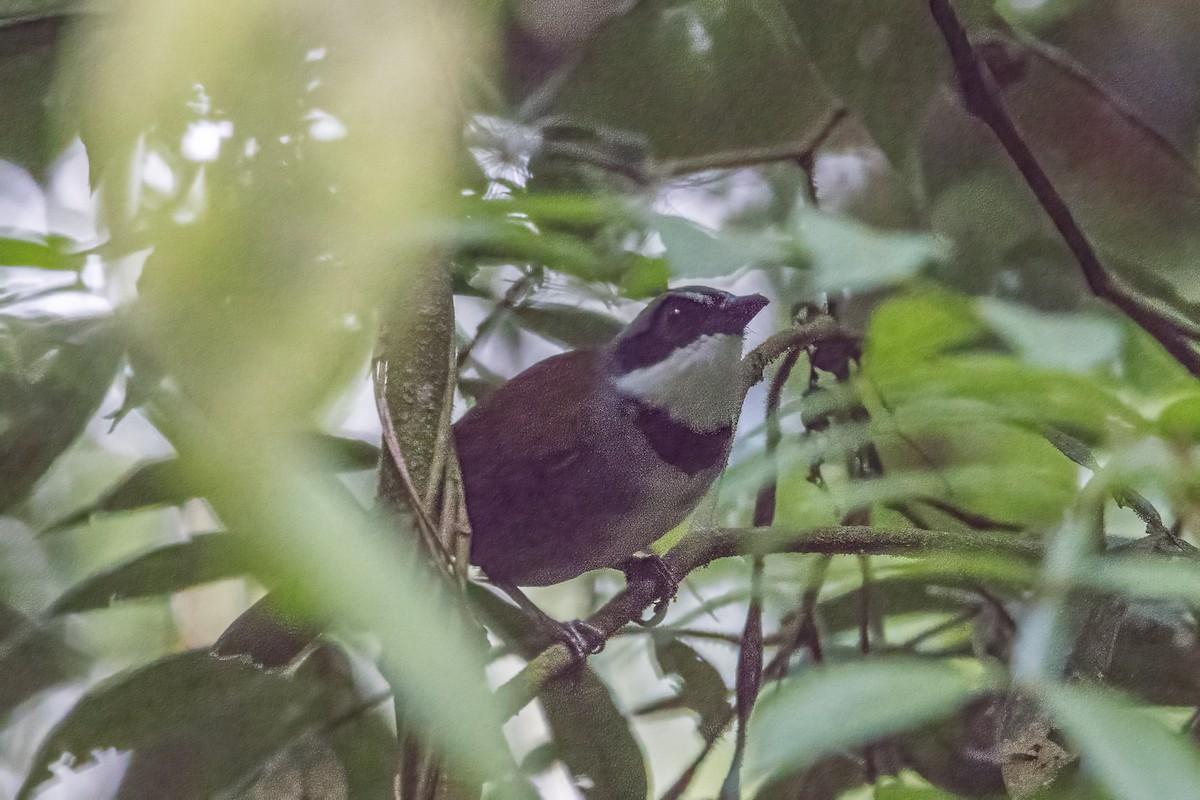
678 444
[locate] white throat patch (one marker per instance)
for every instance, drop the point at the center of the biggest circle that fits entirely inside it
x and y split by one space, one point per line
699 385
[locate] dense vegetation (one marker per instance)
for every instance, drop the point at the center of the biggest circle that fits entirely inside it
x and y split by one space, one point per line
255 258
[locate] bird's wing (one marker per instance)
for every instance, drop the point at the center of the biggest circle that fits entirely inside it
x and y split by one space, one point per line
539 422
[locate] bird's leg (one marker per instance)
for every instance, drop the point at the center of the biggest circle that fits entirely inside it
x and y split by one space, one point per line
580 637
652 567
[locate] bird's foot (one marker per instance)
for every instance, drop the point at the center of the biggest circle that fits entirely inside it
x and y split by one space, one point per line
582 638
652 567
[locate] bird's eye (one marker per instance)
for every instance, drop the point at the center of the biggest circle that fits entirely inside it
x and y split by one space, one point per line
675 313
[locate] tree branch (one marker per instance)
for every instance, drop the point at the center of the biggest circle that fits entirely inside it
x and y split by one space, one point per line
982 99
794 338
701 547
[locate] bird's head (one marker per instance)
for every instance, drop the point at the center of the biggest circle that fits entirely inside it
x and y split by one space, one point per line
681 354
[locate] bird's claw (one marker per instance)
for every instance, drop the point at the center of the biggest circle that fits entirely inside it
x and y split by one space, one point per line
582 638
653 567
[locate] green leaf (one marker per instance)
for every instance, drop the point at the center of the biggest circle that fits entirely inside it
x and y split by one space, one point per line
512 240
205 558
36 251
705 82
701 687
1132 755
694 252
32 657
896 595
568 325
346 454
1150 369
233 715
575 212
28 57
1074 342
645 277
1180 421
884 58
849 256
1142 576
907 330
1038 17
166 483
590 734
593 738
54 372
970 460
152 485
910 360
830 708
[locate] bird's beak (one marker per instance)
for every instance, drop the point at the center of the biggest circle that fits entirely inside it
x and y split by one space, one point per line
740 310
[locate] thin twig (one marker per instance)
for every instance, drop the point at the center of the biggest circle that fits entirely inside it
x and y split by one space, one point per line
443 445
681 633
391 441
804 624
865 606
982 99
940 628
752 157
511 298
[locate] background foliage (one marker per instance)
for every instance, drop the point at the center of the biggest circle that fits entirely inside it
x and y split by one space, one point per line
235 237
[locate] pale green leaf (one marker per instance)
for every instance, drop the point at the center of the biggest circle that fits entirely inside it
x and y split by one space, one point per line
845 705
1133 755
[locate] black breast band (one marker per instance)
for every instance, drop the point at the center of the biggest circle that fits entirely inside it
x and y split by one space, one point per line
677 444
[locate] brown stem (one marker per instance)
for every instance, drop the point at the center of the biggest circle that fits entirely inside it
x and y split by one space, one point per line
792 339
701 547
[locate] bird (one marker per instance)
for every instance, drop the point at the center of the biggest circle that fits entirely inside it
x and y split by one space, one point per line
583 460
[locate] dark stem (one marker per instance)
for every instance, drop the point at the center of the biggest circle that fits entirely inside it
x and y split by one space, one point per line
750 657
982 99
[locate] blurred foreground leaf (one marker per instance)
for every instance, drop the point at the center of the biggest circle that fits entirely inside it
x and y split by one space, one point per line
231 715
589 734
54 372
1131 754
166 483
153 485
36 251
204 558
826 709
32 657
258 307
28 58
